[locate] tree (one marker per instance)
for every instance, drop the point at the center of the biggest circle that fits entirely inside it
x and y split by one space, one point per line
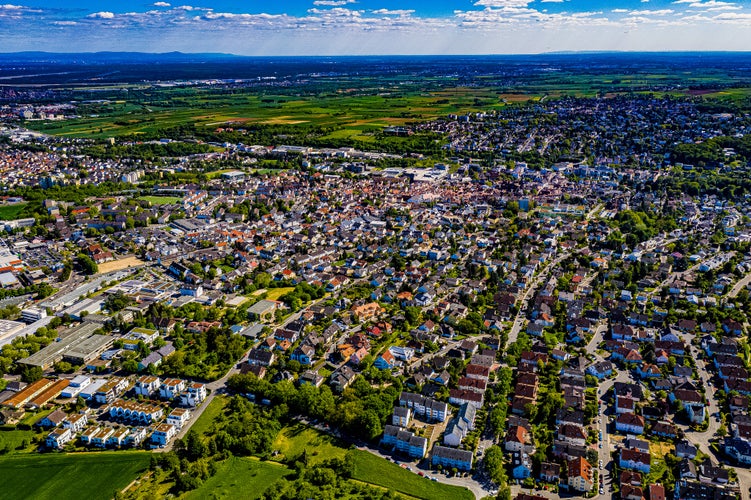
31 374
87 264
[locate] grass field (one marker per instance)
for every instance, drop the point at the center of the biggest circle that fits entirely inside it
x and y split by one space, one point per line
209 415
10 212
275 293
240 478
161 200
61 477
375 470
12 440
294 440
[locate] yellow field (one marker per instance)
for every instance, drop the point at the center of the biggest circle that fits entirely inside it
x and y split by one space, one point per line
275 293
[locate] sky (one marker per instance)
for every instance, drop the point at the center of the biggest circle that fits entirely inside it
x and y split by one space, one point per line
358 27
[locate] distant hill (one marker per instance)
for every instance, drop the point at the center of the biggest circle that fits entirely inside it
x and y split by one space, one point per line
118 57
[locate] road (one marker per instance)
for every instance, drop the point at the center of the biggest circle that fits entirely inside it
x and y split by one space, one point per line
219 387
740 285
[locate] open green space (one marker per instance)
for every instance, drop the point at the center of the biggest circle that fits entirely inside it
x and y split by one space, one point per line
203 425
240 478
297 439
276 293
375 470
161 200
10 212
14 440
75 476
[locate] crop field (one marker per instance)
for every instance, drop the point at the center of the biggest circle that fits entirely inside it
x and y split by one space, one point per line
14 440
116 265
61 477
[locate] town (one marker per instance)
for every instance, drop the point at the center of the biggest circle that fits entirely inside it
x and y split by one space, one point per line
490 320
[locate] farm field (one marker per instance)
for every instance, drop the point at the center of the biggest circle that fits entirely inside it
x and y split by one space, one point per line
61 477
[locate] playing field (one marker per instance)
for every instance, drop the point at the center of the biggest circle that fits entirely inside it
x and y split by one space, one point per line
161 200
59 477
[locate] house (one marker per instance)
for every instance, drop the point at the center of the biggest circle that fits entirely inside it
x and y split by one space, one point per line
685 450
739 449
580 475
404 442
550 472
342 378
385 361
665 429
171 388
518 439
76 422
634 459
193 395
656 492
58 438
422 406
572 434
261 357
311 377
456 431
146 385
178 417
117 438
401 416
629 423
450 458
52 420
303 354
521 465
162 435
601 370
461 396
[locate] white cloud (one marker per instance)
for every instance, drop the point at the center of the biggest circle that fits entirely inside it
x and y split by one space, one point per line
332 3
65 23
715 5
397 12
161 4
9 6
101 15
503 3
554 1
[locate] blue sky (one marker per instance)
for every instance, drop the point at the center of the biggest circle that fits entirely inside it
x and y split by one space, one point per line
344 27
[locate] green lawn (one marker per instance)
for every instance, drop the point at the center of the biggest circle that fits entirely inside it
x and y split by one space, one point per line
11 440
292 441
207 418
375 470
240 478
10 212
275 293
59 477
161 200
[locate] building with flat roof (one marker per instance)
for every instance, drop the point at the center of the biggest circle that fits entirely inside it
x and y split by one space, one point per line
56 351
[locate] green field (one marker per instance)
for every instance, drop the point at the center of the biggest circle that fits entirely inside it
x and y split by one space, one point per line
375 470
161 200
276 293
10 212
209 415
240 478
295 440
60 477
13 440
